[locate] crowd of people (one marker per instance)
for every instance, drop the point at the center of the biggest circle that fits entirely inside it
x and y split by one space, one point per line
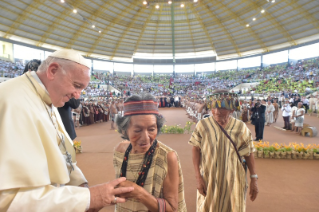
10 69
261 112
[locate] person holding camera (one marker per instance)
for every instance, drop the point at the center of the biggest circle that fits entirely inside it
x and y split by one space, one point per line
286 112
258 119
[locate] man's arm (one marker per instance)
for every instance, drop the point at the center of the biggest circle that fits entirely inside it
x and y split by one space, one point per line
201 186
67 198
250 160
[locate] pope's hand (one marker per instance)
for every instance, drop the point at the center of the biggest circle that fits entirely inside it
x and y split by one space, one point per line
104 194
201 187
138 190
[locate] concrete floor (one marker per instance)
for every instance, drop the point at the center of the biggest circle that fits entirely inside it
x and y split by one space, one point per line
284 185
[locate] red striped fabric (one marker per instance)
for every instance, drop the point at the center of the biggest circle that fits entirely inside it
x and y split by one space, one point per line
140 107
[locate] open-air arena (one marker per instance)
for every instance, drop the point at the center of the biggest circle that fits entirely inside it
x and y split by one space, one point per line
159 105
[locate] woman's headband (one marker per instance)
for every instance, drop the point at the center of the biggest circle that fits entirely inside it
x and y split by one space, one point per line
140 107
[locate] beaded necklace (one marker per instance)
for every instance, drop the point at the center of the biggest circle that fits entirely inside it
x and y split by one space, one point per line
142 174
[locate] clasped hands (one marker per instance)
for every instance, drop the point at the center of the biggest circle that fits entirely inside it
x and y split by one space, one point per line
110 193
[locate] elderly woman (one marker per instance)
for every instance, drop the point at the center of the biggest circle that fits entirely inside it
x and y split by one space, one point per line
299 115
151 167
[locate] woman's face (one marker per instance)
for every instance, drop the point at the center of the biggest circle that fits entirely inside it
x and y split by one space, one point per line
142 132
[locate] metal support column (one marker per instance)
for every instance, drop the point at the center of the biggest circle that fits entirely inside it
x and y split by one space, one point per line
173 35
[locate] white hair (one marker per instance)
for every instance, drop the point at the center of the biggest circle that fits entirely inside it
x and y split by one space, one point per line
62 62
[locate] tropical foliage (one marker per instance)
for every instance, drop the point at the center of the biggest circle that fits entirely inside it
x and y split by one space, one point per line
177 129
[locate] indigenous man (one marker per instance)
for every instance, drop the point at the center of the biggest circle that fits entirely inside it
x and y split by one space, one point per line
113 112
245 111
269 113
121 107
312 104
201 109
86 114
276 106
37 159
105 106
220 175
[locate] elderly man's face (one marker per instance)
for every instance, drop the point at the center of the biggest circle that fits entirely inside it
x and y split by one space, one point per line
63 87
142 132
220 114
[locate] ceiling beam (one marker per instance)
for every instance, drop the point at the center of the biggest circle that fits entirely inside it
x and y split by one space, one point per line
167 40
275 23
190 29
136 16
104 32
67 11
143 29
204 28
311 19
92 17
225 30
156 29
243 24
22 16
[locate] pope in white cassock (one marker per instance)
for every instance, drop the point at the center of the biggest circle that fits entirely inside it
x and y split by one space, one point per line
38 170
270 109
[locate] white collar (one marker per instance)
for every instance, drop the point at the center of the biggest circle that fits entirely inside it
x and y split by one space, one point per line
36 77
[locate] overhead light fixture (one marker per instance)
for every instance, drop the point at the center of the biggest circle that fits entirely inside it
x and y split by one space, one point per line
247 25
144 2
169 2
93 26
100 31
254 19
75 11
262 11
157 6
273 1
182 5
62 1
195 1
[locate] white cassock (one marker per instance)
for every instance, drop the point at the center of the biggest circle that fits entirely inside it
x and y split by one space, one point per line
270 113
34 175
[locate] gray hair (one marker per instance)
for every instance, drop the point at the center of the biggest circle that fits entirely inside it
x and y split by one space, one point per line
123 122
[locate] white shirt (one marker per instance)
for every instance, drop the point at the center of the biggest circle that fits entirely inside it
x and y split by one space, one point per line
286 110
305 101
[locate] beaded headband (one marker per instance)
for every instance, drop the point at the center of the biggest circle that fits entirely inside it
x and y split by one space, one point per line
225 100
140 107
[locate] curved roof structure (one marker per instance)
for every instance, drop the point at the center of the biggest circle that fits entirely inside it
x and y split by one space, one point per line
123 28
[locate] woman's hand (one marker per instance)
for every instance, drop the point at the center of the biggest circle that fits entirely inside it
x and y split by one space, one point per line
135 194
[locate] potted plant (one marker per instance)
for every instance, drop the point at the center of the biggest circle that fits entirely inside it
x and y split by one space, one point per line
316 153
306 154
266 152
260 152
277 150
77 146
289 151
283 153
299 152
271 152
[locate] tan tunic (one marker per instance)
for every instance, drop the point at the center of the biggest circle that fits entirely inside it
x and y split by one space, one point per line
155 177
220 167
